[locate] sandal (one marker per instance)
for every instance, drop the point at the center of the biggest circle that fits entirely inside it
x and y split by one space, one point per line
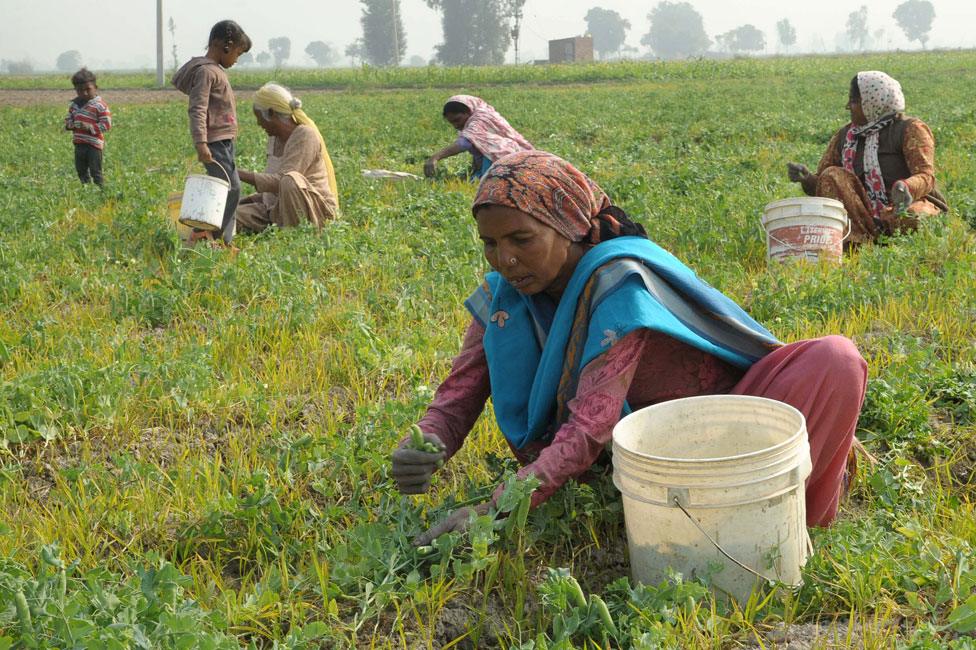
200 235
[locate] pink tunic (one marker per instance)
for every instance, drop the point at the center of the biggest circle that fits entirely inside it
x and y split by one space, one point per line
823 378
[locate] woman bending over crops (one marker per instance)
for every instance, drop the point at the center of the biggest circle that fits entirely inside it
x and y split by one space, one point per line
881 165
482 132
298 181
584 315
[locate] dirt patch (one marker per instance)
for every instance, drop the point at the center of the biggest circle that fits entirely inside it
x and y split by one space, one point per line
117 97
469 627
25 98
819 636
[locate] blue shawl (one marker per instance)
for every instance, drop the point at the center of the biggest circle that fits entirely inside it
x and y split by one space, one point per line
536 350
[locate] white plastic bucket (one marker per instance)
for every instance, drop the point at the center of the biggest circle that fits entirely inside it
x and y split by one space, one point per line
805 227
204 199
736 465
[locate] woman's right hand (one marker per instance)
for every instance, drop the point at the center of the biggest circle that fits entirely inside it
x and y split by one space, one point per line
203 153
430 167
797 172
413 468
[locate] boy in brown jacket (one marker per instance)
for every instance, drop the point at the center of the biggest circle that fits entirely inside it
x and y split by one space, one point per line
213 112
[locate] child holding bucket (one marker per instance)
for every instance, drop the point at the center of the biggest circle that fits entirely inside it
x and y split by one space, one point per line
213 112
88 119
584 316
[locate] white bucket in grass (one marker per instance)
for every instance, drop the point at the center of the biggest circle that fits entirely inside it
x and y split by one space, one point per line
204 199
805 227
703 475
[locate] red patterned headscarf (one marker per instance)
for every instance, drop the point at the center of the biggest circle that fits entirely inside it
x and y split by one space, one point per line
550 189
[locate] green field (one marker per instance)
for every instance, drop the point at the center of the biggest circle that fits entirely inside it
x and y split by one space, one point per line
195 446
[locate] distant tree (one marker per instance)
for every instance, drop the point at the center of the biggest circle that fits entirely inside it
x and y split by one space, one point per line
69 61
476 32
384 40
280 48
16 67
629 51
417 61
322 53
915 19
879 36
608 29
246 59
356 51
786 33
746 38
857 28
677 31
263 59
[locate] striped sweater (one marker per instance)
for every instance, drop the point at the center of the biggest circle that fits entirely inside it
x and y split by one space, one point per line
88 122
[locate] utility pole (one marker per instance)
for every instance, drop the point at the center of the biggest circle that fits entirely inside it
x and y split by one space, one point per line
515 12
159 43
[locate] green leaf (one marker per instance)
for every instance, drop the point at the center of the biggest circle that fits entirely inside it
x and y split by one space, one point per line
963 618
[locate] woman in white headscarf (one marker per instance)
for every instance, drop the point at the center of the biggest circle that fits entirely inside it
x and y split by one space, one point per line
299 181
881 165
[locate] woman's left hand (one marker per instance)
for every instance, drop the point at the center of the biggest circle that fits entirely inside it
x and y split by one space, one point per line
456 522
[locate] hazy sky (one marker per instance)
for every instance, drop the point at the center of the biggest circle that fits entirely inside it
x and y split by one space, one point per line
121 33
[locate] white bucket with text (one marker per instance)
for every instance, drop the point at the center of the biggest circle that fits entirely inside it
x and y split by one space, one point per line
805 227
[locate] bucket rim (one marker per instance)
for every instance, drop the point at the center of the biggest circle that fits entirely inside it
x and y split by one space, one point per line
767 220
800 433
209 178
804 200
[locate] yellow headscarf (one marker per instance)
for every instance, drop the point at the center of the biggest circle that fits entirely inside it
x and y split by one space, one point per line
280 100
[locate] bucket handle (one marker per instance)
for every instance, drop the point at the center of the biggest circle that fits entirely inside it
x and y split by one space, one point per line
226 175
769 582
782 243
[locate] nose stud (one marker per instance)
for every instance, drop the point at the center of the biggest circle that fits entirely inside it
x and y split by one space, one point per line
513 261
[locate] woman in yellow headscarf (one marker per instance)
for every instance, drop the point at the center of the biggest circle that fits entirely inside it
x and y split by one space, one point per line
299 180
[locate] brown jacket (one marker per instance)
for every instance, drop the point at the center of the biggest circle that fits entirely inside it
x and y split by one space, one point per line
213 109
905 153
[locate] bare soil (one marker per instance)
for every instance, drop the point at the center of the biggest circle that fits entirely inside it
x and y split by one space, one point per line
120 96
25 98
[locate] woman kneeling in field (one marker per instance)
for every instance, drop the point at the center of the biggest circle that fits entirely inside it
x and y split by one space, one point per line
299 179
582 314
482 132
881 165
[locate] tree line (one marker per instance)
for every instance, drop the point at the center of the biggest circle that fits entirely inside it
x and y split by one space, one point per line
480 32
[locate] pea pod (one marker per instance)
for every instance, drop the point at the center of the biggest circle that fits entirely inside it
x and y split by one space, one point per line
603 612
576 592
416 437
23 614
50 558
424 551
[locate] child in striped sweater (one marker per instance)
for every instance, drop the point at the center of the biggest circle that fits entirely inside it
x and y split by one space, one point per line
88 119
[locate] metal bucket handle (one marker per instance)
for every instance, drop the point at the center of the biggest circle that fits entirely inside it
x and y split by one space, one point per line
226 175
762 227
728 556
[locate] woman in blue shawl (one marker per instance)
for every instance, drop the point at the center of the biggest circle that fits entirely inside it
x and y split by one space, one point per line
584 317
